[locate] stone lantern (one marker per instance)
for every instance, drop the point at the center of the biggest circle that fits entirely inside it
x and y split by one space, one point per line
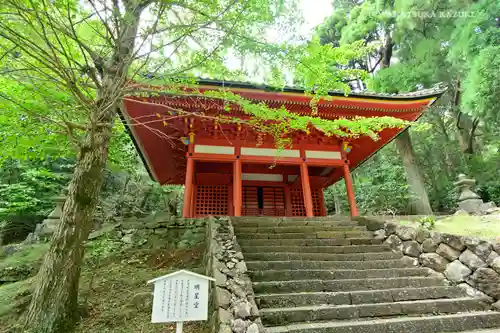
468 200
48 226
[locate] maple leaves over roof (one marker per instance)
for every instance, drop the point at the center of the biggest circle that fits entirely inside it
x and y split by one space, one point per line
158 140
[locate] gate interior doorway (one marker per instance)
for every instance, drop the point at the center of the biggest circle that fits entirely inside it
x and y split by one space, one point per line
263 201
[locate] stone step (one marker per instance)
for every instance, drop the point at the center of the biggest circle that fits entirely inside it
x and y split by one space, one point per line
274 287
493 330
295 229
294 223
300 264
322 256
340 274
282 316
310 242
235 220
431 324
357 297
309 235
318 249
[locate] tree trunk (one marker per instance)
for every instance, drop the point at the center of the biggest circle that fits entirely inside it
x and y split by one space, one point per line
54 303
387 50
466 132
466 126
336 202
420 199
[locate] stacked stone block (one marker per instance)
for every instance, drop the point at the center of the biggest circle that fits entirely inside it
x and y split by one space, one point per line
472 264
233 304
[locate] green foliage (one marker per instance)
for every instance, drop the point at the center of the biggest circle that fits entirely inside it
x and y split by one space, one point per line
453 42
380 186
402 78
30 194
473 33
364 20
17 199
25 197
281 121
427 222
487 181
482 86
28 119
330 31
322 68
102 248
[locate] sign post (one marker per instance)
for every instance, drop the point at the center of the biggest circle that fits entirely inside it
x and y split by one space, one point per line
180 296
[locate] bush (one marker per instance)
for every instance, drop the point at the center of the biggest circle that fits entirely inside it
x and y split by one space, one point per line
100 249
427 222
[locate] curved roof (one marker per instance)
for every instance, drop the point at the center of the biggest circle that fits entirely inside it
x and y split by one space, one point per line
164 155
436 90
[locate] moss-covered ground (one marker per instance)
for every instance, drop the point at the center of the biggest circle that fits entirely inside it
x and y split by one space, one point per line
481 226
114 295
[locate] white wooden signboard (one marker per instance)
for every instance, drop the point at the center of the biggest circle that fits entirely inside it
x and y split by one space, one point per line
180 296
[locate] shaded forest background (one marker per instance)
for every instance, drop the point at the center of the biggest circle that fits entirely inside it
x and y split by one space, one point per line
454 43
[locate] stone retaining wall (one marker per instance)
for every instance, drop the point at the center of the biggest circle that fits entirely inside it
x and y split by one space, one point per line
233 301
161 230
471 263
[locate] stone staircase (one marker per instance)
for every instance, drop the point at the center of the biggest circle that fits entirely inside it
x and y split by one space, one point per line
326 275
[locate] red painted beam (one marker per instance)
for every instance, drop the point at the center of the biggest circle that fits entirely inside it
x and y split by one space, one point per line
271 160
213 157
324 162
261 183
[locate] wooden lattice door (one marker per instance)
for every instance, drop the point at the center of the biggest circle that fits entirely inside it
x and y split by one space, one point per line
273 201
316 198
250 201
298 208
263 201
211 200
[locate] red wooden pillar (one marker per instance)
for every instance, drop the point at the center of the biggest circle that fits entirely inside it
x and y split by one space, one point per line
306 189
237 189
288 201
188 187
350 191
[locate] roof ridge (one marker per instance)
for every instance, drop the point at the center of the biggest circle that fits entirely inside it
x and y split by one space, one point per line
436 89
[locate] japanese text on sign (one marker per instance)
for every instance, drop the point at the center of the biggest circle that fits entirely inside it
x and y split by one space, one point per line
180 297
